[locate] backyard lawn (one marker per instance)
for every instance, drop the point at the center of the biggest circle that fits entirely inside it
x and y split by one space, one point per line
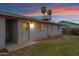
65 45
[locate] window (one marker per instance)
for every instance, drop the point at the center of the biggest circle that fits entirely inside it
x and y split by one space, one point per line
25 26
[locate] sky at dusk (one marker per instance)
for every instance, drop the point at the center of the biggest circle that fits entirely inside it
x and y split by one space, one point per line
61 11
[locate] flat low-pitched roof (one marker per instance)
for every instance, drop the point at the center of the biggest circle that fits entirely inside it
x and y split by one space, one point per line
25 17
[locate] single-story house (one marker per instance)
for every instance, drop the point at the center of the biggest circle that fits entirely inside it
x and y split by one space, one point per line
18 29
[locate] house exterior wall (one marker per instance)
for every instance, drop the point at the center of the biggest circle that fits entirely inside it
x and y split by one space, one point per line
2 32
53 30
43 33
36 33
60 31
22 36
57 30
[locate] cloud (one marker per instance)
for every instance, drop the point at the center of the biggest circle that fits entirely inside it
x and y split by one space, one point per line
33 14
66 11
58 11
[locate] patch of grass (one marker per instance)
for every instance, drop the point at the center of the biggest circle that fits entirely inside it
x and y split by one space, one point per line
68 46
55 49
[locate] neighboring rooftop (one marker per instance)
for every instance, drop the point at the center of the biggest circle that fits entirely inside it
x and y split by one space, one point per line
69 24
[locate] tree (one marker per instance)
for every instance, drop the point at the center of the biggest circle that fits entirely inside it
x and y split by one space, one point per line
43 10
49 12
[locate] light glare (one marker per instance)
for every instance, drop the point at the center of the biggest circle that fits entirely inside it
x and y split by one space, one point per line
32 25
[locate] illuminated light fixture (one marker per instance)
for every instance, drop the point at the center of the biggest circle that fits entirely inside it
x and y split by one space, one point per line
32 25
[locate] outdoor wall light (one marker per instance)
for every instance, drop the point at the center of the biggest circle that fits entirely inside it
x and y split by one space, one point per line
32 25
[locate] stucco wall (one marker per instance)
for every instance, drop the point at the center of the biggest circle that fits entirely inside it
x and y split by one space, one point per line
54 30
22 36
15 31
2 32
57 30
36 33
43 33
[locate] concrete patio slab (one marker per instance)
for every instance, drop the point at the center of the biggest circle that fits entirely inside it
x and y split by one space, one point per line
11 47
